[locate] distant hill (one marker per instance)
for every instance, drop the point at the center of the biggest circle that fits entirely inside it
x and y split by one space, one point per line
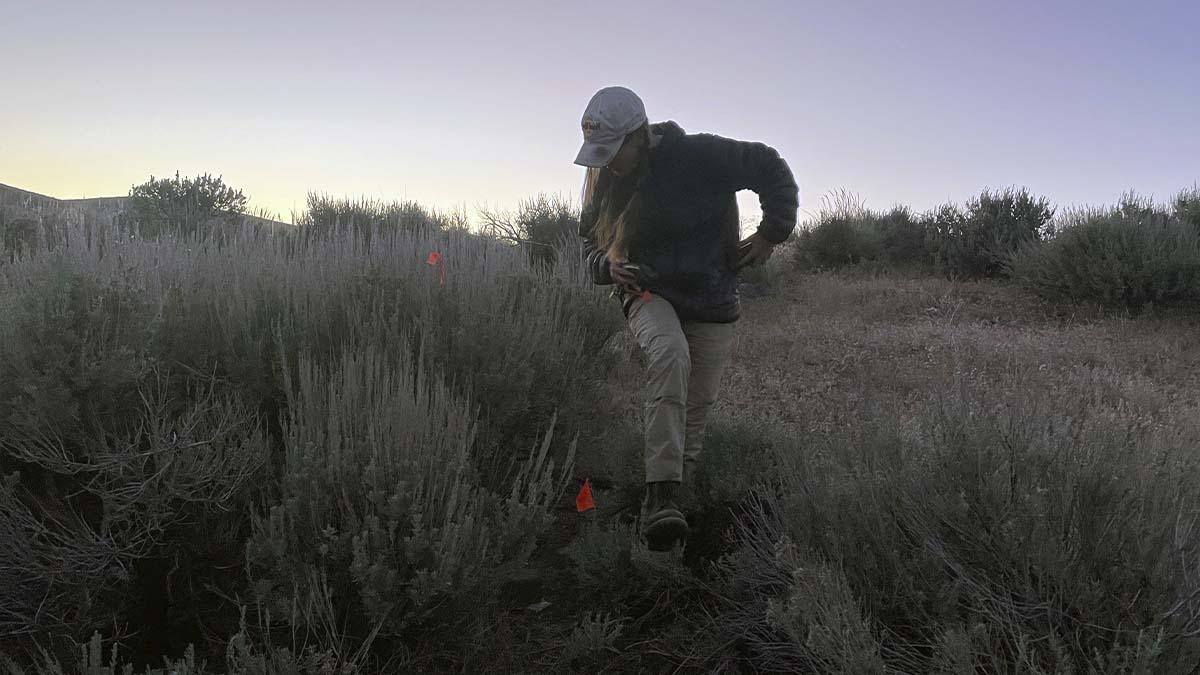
23 199
27 203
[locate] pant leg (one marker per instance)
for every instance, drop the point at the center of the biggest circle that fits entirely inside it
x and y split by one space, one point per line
660 335
709 345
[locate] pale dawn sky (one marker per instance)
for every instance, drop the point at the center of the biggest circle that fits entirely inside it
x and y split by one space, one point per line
478 103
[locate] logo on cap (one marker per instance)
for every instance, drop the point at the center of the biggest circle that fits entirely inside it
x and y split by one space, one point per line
590 126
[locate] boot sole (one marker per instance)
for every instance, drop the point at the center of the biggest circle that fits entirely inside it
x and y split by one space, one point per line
662 532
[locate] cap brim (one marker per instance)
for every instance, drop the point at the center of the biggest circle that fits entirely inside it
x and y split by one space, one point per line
598 155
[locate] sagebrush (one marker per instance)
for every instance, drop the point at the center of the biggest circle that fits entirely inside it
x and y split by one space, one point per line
976 241
146 388
1128 256
1045 531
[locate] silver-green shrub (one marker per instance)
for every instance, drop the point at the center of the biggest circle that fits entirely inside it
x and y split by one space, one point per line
976 241
379 496
326 213
846 232
1127 256
144 390
1186 206
1023 530
541 225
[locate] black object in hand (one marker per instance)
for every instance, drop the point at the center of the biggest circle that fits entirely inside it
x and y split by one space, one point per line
646 276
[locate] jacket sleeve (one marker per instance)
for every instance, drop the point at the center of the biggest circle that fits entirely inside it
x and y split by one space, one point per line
595 259
742 165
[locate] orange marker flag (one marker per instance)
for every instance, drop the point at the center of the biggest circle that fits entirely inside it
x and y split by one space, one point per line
435 260
583 500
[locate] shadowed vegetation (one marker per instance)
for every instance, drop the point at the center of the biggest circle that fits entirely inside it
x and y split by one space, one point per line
307 450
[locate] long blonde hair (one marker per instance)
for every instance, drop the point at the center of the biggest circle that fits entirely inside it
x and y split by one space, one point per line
615 203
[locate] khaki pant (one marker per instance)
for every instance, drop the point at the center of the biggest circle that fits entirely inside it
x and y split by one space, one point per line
685 363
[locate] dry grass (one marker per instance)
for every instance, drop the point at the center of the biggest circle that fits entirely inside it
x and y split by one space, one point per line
961 455
852 370
802 354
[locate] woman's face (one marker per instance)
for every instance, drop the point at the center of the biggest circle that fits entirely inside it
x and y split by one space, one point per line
630 154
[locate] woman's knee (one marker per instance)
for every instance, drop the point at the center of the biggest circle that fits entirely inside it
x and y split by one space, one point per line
669 352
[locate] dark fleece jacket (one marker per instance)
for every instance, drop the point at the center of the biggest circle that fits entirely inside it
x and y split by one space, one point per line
689 226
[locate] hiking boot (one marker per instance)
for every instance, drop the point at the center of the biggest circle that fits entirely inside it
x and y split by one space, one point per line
662 522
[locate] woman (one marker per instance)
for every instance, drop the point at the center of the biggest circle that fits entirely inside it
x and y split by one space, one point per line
660 222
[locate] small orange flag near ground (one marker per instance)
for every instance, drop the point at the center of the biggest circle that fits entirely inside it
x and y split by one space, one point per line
435 260
583 500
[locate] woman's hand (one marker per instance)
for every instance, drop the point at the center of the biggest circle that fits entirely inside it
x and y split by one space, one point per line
753 250
623 277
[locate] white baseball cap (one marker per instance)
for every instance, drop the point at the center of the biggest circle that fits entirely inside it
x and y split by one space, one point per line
611 115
